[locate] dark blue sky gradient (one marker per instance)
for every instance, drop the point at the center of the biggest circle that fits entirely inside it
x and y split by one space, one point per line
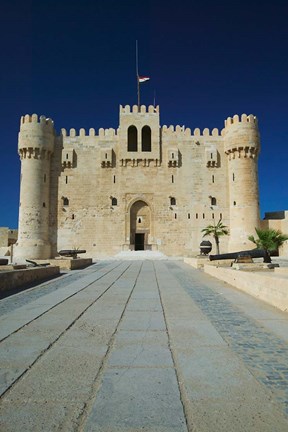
75 62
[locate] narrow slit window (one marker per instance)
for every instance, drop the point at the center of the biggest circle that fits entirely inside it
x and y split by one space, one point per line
172 201
212 215
66 180
203 215
233 177
196 215
44 205
175 215
188 215
213 201
213 179
172 178
114 179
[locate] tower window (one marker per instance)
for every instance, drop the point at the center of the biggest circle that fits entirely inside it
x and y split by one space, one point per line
213 178
212 215
213 201
188 215
172 201
234 203
175 215
67 156
146 139
114 201
172 178
65 201
203 215
233 177
114 179
132 139
66 179
105 155
196 215
172 156
44 205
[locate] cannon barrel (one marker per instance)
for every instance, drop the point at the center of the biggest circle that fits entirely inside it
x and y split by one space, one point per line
253 253
71 253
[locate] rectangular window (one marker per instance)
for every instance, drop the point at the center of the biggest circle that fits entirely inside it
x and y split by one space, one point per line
66 180
172 178
114 179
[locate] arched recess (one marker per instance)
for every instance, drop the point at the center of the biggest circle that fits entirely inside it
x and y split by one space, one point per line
132 138
146 139
140 225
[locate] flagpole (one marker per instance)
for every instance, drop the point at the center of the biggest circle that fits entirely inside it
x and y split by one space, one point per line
137 76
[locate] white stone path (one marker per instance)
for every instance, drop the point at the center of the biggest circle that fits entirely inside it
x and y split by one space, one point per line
127 348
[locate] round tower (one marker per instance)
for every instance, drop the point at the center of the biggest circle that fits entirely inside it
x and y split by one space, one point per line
35 147
242 146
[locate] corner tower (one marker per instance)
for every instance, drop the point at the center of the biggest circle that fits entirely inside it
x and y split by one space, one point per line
35 147
242 146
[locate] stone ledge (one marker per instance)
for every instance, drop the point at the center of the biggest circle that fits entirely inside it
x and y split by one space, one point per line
17 278
68 263
269 287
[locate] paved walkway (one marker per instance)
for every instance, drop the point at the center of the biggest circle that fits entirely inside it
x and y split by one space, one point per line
142 346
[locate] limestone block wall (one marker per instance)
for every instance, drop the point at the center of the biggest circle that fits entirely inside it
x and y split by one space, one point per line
160 184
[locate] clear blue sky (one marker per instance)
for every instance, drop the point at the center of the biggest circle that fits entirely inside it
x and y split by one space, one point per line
75 62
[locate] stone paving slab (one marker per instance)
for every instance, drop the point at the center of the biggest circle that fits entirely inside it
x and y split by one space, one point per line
137 399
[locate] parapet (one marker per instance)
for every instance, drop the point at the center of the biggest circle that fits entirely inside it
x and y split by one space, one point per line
34 119
127 109
186 132
106 133
244 119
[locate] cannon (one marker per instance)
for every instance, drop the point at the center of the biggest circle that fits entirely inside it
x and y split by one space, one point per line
252 253
71 253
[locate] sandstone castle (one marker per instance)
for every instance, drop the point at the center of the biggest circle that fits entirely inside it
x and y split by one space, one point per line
142 186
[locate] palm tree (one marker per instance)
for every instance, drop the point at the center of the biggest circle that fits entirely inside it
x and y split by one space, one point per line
216 231
269 240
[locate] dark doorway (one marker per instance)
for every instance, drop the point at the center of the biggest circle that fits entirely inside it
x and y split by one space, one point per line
139 241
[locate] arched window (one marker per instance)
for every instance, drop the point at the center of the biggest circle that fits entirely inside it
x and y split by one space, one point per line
172 201
146 139
132 139
114 201
65 201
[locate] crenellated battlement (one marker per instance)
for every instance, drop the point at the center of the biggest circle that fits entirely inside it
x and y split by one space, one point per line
244 119
127 109
182 131
35 119
102 133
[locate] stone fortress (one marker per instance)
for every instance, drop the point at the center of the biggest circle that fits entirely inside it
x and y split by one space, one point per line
140 187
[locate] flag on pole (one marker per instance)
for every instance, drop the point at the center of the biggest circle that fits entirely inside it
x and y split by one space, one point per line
143 78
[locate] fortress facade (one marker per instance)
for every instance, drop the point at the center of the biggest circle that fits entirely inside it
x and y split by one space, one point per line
142 186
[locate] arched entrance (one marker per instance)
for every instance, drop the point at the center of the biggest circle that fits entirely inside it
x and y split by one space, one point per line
140 219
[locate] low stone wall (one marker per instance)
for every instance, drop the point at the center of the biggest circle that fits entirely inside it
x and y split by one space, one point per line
67 263
17 278
270 287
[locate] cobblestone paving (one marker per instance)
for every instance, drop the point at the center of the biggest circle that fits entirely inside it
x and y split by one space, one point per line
265 355
9 304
